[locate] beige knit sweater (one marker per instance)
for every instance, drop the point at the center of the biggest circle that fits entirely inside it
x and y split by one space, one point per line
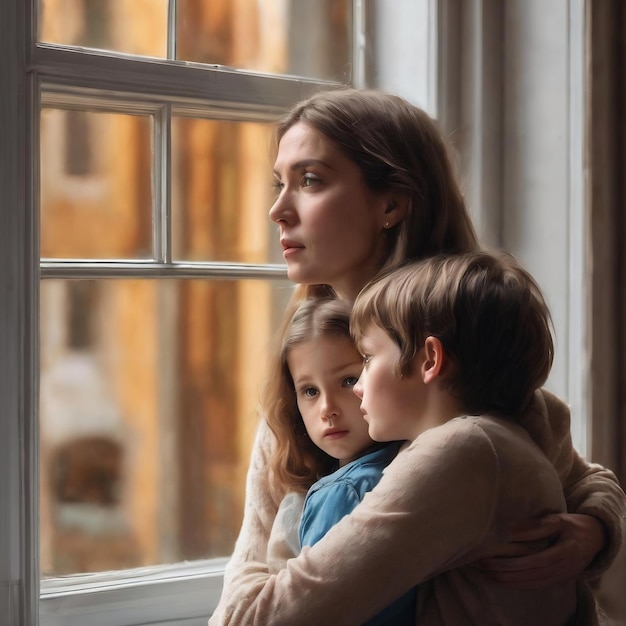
443 502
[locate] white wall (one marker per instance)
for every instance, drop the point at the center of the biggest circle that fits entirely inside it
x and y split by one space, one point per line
543 175
402 38
506 80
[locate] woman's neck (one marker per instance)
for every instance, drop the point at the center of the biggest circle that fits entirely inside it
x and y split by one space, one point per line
349 291
343 295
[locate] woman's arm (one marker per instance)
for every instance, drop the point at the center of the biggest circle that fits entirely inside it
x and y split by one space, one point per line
284 541
583 542
260 510
566 544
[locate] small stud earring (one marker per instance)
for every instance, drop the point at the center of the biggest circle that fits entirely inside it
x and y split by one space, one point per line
386 225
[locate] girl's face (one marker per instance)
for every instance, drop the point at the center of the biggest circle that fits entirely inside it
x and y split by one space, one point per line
324 373
331 223
393 405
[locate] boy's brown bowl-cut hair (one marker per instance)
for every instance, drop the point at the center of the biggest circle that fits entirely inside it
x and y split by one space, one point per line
487 311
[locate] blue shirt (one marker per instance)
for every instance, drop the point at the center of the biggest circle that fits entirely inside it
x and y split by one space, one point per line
335 496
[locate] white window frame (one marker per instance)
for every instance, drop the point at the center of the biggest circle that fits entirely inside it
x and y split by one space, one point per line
462 44
19 274
184 593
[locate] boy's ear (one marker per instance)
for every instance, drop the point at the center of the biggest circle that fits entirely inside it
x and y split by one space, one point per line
434 360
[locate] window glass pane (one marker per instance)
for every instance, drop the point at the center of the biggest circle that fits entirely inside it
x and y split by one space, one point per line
222 191
308 38
96 185
311 38
130 26
148 405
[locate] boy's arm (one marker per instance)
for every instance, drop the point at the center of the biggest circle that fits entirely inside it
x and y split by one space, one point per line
389 543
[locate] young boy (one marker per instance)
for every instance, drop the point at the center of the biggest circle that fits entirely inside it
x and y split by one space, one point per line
454 350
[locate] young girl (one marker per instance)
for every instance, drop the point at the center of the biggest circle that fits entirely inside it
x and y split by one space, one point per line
455 349
312 409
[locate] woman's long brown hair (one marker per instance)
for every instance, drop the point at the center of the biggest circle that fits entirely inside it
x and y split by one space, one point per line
398 147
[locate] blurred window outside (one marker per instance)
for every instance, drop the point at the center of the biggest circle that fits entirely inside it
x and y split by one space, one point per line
161 284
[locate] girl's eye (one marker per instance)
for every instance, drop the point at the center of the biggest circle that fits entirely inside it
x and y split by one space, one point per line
277 185
367 358
350 381
309 392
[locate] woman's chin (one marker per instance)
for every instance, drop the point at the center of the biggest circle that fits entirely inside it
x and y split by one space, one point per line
300 277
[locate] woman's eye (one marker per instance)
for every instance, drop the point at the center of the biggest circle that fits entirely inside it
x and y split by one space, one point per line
277 185
350 381
308 180
367 358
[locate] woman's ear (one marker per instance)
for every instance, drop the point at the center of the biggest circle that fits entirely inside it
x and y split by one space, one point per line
434 360
395 209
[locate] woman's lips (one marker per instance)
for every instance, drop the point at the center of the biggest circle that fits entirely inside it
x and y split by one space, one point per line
287 252
289 245
290 251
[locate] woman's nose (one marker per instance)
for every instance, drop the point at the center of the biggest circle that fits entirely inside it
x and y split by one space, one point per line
281 209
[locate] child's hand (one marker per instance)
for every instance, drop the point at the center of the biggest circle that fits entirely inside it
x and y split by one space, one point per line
557 549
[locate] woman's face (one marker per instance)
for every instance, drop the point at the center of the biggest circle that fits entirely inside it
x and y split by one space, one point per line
330 222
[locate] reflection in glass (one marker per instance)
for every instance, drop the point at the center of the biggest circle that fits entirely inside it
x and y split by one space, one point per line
305 38
148 410
312 39
129 26
96 186
221 192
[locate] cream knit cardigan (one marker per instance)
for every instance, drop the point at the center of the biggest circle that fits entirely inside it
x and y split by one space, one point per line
442 503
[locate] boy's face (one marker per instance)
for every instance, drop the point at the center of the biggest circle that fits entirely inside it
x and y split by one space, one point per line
324 372
391 404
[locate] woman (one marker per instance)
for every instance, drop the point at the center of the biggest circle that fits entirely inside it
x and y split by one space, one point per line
364 183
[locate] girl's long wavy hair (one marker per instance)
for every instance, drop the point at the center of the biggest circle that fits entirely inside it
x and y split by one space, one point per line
296 462
398 147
